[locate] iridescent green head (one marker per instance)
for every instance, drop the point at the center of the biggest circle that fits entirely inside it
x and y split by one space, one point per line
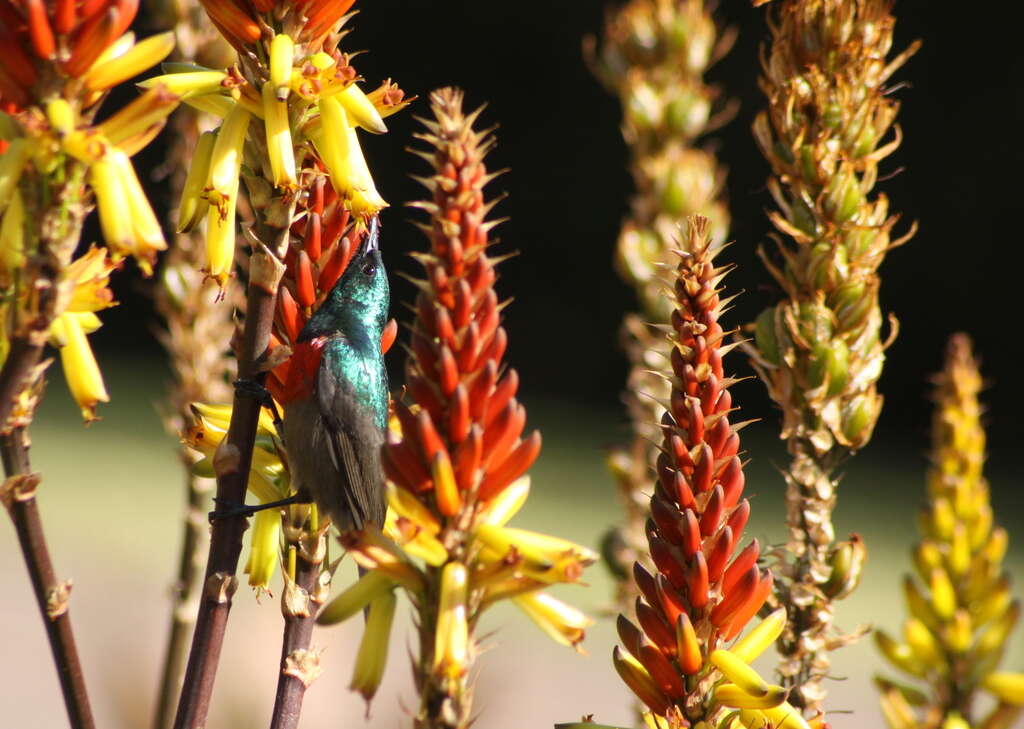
358 303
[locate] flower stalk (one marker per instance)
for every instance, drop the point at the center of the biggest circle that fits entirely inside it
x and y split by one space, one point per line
198 329
289 111
820 350
961 609
18 495
59 63
456 458
703 589
653 57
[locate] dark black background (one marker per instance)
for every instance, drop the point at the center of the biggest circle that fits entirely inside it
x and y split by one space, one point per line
957 173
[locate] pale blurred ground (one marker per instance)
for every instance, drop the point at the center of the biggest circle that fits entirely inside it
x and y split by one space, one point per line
111 501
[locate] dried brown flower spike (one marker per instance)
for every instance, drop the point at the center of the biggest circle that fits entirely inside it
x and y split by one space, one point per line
820 350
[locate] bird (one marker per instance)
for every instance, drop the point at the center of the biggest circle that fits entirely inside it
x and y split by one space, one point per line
334 426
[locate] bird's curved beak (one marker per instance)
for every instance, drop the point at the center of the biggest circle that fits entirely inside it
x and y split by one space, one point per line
372 240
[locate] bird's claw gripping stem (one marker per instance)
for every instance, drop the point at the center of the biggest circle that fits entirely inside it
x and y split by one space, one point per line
235 511
259 393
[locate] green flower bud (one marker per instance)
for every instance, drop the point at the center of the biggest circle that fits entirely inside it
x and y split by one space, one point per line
850 303
764 336
815 322
837 367
644 108
687 114
843 197
858 419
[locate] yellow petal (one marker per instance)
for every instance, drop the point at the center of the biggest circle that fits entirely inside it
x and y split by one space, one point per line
143 55
373 648
12 235
357 596
264 548
80 369
561 621
451 641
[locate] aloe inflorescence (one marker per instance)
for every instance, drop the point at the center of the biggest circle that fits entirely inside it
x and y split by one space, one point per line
961 608
60 61
653 56
704 588
828 125
457 457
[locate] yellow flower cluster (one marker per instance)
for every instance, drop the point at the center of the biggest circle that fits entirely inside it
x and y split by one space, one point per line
310 105
961 607
268 481
499 562
53 156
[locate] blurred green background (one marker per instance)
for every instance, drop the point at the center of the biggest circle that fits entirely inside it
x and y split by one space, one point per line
111 501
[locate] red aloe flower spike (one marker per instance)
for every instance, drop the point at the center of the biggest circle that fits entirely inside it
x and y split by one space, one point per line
704 593
457 460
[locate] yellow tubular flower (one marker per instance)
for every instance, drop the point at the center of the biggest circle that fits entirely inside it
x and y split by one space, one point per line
373 648
214 104
61 116
12 236
264 549
105 74
561 621
356 597
451 641
508 503
279 138
1007 687
220 239
12 163
107 183
757 640
338 146
189 83
138 117
116 49
149 236
405 504
364 200
226 160
734 697
80 369
282 54
533 546
194 206
137 142
736 670
331 140
785 716
361 110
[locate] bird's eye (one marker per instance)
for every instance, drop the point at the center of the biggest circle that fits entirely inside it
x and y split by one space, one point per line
369 269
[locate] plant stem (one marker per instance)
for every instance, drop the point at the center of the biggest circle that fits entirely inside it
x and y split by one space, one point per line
299 665
21 360
19 496
183 613
445 703
232 464
810 501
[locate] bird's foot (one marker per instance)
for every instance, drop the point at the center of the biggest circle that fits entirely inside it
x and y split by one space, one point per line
259 393
234 511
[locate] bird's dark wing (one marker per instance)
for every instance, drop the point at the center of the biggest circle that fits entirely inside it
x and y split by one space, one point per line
354 442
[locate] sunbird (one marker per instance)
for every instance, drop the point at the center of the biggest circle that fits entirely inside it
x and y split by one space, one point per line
334 427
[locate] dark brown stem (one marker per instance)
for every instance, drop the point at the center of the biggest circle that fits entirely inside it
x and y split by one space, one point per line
299 665
183 612
232 463
19 496
18 367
